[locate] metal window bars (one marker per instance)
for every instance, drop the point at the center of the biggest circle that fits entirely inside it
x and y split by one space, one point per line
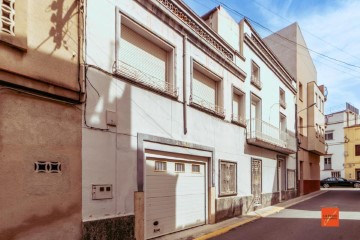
7 16
203 104
139 76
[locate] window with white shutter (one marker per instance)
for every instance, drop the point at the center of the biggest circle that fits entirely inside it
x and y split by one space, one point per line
145 58
205 89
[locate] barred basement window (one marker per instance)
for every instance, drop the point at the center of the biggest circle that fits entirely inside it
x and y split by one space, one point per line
7 16
160 166
228 177
179 167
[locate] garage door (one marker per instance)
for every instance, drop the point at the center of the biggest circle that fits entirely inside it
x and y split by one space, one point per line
175 196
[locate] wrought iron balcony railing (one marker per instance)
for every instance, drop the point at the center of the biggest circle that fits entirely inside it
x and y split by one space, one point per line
207 106
238 120
265 133
138 76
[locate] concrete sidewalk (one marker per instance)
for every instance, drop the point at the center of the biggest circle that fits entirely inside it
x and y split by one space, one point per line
213 230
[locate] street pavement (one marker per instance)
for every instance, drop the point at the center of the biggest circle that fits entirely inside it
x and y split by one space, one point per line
303 220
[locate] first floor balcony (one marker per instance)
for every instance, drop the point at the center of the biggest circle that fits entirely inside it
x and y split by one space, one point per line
263 134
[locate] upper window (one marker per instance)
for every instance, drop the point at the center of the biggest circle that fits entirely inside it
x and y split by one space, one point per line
357 150
7 17
13 23
255 75
205 89
238 107
145 58
300 91
316 99
329 135
327 163
282 98
228 177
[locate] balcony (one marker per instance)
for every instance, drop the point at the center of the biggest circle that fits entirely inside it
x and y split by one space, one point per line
137 76
256 82
206 106
263 134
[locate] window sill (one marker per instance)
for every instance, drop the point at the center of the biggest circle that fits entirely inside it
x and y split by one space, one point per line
16 42
227 194
238 123
257 85
207 110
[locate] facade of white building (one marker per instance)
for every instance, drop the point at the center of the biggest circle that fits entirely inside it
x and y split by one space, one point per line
332 164
188 120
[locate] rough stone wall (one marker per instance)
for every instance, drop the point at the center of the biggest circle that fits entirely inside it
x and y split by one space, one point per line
110 229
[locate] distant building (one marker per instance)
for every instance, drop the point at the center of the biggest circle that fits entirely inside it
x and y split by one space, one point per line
352 150
290 47
337 134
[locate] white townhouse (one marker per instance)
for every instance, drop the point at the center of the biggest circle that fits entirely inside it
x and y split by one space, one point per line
187 121
338 118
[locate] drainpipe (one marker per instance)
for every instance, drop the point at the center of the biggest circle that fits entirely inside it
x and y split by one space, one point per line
184 83
297 151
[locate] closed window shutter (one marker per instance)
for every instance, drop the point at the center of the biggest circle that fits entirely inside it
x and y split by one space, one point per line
142 59
204 88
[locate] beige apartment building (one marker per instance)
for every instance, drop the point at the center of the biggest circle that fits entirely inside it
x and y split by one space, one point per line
40 121
290 47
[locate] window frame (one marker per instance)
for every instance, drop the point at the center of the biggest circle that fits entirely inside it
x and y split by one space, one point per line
219 103
282 100
140 29
326 163
357 149
222 194
327 134
166 166
242 111
256 82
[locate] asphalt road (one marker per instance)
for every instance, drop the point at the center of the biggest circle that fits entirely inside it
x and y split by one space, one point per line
303 221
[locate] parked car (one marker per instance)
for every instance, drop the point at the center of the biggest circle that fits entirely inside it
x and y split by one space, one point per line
339 182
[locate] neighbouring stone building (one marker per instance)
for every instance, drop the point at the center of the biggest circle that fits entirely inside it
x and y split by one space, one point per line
188 120
290 47
40 120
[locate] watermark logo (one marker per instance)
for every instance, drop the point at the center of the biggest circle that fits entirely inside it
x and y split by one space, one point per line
330 217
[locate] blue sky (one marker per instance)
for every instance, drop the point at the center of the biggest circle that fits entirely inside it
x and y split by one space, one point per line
330 27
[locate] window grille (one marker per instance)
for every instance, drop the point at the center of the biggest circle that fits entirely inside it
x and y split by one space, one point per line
7 16
227 178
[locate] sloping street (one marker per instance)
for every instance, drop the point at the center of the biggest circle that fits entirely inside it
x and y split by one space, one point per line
303 220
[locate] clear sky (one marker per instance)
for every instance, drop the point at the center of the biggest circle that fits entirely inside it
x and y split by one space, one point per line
330 27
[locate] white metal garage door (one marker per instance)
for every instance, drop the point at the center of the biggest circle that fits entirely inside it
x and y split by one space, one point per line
175 196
